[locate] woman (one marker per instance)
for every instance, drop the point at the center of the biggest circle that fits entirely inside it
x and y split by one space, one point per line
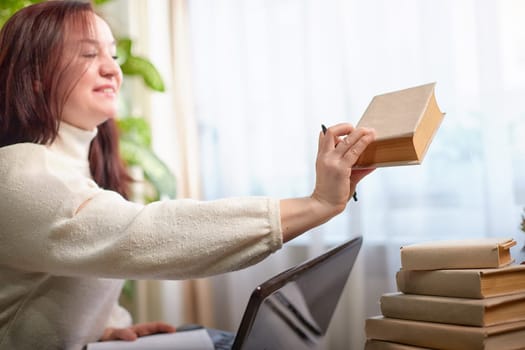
68 236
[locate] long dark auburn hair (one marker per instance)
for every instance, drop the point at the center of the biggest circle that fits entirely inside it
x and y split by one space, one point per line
33 85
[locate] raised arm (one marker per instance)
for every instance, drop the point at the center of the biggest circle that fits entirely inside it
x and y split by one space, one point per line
338 151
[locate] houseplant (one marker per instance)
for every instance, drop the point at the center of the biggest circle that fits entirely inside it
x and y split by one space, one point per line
135 133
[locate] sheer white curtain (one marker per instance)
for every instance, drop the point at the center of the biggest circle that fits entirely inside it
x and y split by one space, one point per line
267 73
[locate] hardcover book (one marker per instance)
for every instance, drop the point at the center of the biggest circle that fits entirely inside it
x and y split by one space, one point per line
508 336
460 311
457 254
463 283
405 122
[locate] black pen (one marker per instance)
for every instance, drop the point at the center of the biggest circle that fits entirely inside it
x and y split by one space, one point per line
354 196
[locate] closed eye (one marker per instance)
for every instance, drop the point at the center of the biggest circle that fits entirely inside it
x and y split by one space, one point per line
89 55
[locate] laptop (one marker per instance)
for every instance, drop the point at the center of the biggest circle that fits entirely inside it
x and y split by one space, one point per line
293 309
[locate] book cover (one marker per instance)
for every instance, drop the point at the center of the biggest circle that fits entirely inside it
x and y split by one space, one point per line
508 336
460 311
198 339
405 122
463 283
457 254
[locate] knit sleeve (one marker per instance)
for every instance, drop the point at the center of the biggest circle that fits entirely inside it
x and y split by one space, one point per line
119 318
63 224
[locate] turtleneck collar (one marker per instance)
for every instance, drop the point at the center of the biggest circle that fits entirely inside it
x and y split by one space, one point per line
73 143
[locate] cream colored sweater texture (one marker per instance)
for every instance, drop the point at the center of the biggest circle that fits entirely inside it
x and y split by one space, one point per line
66 245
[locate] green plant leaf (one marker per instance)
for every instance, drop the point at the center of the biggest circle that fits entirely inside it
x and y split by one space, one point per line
123 49
155 170
9 7
128 289
135 65
135 129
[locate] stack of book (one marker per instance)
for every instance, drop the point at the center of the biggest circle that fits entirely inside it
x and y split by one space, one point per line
462 294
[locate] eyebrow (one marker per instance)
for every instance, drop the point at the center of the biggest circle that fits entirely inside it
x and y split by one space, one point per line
96 42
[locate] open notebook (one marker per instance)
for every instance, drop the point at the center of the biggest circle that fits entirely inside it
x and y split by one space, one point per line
291 310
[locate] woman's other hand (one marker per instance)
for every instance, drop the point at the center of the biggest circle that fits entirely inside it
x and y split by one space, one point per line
138 330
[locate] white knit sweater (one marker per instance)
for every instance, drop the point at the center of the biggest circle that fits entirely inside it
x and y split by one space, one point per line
66 244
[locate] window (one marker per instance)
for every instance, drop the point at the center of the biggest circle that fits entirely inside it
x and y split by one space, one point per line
268 73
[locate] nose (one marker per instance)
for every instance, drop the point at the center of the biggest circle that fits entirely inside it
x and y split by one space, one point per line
109 67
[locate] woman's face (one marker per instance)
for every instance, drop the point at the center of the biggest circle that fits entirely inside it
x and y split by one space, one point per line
93 98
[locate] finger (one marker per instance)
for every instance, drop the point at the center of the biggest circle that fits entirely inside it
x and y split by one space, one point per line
345 144
348 143
357 134
123 334
328 140
357 142
340 129
107 334
165 328
143 329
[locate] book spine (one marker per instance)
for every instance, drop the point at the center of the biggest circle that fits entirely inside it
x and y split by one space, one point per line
433 309
460 283
433 258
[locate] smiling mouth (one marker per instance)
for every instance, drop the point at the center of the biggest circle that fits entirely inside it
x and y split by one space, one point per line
105 88
108 92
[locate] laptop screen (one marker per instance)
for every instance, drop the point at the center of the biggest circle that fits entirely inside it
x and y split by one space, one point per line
293 309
